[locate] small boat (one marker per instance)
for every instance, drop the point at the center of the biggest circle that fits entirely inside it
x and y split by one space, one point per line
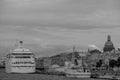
74 70
77 72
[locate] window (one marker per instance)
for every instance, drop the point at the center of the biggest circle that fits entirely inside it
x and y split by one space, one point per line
22 53
22 62
22 57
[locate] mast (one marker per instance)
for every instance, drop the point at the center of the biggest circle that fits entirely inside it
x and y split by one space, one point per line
73 56
20 44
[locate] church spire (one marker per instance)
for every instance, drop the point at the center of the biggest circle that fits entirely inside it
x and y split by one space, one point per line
73 56
73 48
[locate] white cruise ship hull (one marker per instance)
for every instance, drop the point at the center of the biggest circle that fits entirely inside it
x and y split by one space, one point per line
23 70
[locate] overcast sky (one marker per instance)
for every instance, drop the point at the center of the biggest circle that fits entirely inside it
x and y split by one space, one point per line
50 26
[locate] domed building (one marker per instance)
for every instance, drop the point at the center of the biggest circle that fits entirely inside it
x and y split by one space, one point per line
108 47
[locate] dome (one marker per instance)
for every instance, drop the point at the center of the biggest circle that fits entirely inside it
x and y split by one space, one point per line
108 45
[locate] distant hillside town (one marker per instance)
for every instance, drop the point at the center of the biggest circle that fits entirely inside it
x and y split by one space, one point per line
94 58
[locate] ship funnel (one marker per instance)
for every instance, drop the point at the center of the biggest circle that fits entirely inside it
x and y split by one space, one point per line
21 44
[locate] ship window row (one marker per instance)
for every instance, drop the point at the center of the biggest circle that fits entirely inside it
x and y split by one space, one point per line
20 57
23 66
22 54
23 57
22 62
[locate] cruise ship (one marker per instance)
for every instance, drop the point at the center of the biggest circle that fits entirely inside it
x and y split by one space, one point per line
20 60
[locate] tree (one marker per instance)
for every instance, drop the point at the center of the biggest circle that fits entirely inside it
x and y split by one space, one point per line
118 62
99 63
112 63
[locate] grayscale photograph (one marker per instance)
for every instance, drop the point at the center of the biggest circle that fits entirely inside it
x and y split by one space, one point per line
59 39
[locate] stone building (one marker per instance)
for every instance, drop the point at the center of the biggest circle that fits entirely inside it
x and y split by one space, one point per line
59 59
113 55
43 62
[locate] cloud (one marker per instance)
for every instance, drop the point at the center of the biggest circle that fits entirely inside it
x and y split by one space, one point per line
49 25
49 41
77 14
94 47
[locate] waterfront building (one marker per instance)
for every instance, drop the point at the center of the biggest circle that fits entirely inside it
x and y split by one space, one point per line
39 63
47 62
59 59
2 63
20 60
93 57
113 55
